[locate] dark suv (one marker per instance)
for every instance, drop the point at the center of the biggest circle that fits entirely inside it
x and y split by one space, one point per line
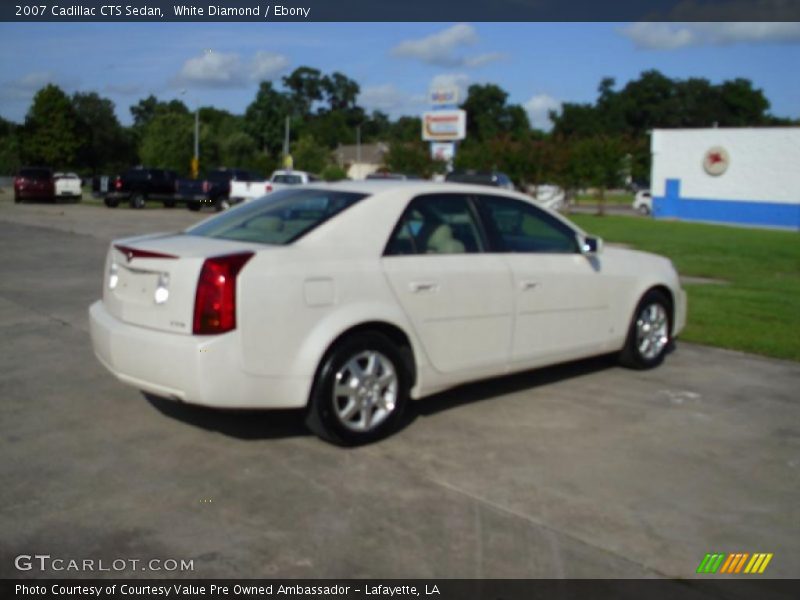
493 178
137 186
34 183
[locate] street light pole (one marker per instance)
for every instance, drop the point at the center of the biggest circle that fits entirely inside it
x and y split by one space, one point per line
358 146
195 166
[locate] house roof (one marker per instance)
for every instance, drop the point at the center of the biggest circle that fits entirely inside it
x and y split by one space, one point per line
370 153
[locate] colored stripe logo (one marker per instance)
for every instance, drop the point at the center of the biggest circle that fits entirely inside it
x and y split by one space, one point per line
735 563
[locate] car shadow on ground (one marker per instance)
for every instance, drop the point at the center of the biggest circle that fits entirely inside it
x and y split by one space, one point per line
509 384
242 424
276 424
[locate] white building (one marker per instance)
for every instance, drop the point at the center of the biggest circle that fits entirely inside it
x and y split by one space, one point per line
728 175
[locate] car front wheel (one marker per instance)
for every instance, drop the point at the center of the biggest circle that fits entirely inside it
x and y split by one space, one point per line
649 336
360 392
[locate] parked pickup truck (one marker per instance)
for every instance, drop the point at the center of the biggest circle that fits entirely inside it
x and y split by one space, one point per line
214 190
242 191
137 186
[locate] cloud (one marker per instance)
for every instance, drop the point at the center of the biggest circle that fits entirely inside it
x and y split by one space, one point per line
228 70
389 99
439 49
24 88
267 65
539 107
669 36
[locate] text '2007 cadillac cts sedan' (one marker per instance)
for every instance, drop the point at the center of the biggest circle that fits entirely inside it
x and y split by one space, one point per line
352 298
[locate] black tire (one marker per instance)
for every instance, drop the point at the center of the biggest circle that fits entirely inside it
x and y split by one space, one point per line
111 202
221 204
650 332
169 203
17 199
137 201
644 210
324 416
193 206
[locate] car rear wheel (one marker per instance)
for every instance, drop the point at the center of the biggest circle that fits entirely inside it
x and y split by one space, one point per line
221 204
169 203
17 199
137 201
110 203
360 391
649 336
644 210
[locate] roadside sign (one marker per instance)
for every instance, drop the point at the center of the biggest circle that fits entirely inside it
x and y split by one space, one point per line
195 167
444 96
444 125
444 151
288 162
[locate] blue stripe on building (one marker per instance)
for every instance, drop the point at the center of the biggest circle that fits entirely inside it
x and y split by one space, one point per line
745 212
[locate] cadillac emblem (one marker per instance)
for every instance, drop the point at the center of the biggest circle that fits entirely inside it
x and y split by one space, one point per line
716 161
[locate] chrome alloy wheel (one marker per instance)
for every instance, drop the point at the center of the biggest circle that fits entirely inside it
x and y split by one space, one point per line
652 330
365 391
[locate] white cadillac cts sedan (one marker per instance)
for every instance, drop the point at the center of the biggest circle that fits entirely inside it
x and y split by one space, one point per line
350 299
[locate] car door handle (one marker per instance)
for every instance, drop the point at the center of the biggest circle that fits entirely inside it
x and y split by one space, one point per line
528 284
419 287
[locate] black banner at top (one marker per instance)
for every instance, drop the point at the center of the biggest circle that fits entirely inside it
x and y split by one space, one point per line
398 10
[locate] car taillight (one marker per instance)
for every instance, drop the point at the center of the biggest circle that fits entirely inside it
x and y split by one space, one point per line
118 183
215 300
268 188
19 182
206 187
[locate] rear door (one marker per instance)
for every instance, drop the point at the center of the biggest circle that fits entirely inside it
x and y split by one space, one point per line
457 296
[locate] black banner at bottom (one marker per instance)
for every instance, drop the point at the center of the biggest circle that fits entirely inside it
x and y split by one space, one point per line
429 589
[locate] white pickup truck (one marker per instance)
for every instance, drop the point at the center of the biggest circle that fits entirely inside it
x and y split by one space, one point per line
243 191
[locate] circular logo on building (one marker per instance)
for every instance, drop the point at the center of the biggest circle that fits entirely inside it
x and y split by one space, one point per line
716 160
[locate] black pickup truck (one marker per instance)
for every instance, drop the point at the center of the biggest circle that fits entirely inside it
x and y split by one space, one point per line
137 186
213 190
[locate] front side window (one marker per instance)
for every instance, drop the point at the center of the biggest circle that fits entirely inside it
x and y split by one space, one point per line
436 224
516 226
280 218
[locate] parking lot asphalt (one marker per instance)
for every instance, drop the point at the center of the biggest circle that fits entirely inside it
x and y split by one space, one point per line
582 470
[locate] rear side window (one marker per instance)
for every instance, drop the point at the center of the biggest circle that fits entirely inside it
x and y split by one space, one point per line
436 224
516 226
280 218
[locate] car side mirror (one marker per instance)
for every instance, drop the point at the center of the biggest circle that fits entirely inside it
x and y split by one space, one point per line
590 245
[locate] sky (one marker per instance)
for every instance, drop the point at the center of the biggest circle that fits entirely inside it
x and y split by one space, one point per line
540 65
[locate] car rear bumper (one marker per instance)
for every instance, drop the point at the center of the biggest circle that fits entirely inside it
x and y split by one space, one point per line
203 370
34 194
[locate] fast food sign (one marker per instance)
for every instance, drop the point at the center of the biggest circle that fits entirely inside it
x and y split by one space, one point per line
444 125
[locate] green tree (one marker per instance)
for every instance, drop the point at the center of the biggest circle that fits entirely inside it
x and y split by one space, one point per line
10 157
105 145
265 118
51 130
305 86
309 155
168 142
489 114
413 158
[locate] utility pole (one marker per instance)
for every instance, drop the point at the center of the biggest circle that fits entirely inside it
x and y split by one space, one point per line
358 146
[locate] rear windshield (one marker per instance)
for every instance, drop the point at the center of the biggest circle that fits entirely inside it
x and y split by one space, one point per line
288 179
279 218
35 173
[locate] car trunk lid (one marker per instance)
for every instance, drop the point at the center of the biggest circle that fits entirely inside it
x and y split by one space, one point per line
151 281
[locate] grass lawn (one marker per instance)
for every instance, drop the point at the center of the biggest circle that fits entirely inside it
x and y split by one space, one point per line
616 199
757 311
